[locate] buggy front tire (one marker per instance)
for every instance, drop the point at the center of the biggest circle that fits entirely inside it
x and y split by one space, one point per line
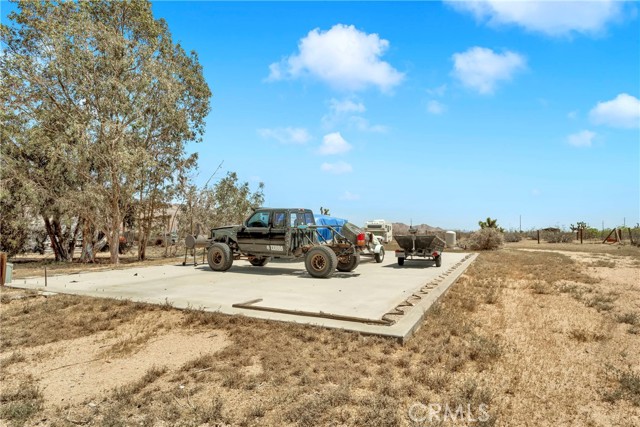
321 262
350 264
219 257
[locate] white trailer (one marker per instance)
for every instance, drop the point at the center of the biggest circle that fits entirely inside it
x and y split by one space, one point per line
380 228
373 247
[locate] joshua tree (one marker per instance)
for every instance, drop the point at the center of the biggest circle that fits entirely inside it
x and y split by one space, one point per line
490 223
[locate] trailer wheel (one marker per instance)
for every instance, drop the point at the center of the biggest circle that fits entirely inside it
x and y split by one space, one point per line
400 261
351 263
380 256
220 257
259 262
321 262
438 260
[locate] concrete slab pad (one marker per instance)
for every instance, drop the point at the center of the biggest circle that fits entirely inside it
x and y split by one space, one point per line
368 293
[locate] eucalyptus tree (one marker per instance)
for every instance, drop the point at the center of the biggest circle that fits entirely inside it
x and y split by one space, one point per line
108 102
227 202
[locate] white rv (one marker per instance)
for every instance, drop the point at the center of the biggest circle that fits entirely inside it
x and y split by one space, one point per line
381 228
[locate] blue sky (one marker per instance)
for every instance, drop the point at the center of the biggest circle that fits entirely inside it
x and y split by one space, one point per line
439 113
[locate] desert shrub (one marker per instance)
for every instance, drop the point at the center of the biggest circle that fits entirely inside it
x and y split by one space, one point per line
559 237
512 237
486 239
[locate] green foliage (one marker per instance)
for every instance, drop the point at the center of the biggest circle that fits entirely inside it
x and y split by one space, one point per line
580 225
98 105
227 202
14 224
490 223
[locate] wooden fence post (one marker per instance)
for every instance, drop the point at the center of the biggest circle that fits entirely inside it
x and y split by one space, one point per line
3 267
538 236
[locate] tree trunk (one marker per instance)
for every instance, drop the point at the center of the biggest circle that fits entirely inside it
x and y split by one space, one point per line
114 233
88 240
74 237
145 228
54 230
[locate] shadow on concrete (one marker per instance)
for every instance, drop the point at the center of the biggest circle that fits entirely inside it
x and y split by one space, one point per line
276 271
415 263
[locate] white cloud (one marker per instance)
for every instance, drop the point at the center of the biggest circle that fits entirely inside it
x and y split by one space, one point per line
345 112
535 192
621 112
437 91
581 139
362 124
336 168
347 195
553 18
572 115
435 107
346 106
286 135
334 143
482 69
343 57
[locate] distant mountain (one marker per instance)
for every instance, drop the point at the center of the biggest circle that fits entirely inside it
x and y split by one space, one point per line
401 228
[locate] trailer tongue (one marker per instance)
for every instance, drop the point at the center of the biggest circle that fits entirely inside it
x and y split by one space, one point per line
423 246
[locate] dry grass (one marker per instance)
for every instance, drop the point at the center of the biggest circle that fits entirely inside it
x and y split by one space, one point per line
37 321
19 403
29 265
531 335
592 247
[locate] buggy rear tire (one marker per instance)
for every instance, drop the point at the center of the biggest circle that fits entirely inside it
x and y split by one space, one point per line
219 257
351 263
321 262
438 260
400 261
259 262
380 256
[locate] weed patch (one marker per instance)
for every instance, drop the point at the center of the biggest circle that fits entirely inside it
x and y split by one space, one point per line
627 387
19 404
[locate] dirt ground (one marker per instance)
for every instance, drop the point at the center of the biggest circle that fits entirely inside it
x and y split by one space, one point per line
530 335
32 264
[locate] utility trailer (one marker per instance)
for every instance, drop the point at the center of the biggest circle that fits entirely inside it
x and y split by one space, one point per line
286 234
419 245
373 247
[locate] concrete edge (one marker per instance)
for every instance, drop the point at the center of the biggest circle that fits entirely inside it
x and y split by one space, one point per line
414 319
401 331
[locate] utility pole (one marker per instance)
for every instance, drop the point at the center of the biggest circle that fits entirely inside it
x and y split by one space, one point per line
521 223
